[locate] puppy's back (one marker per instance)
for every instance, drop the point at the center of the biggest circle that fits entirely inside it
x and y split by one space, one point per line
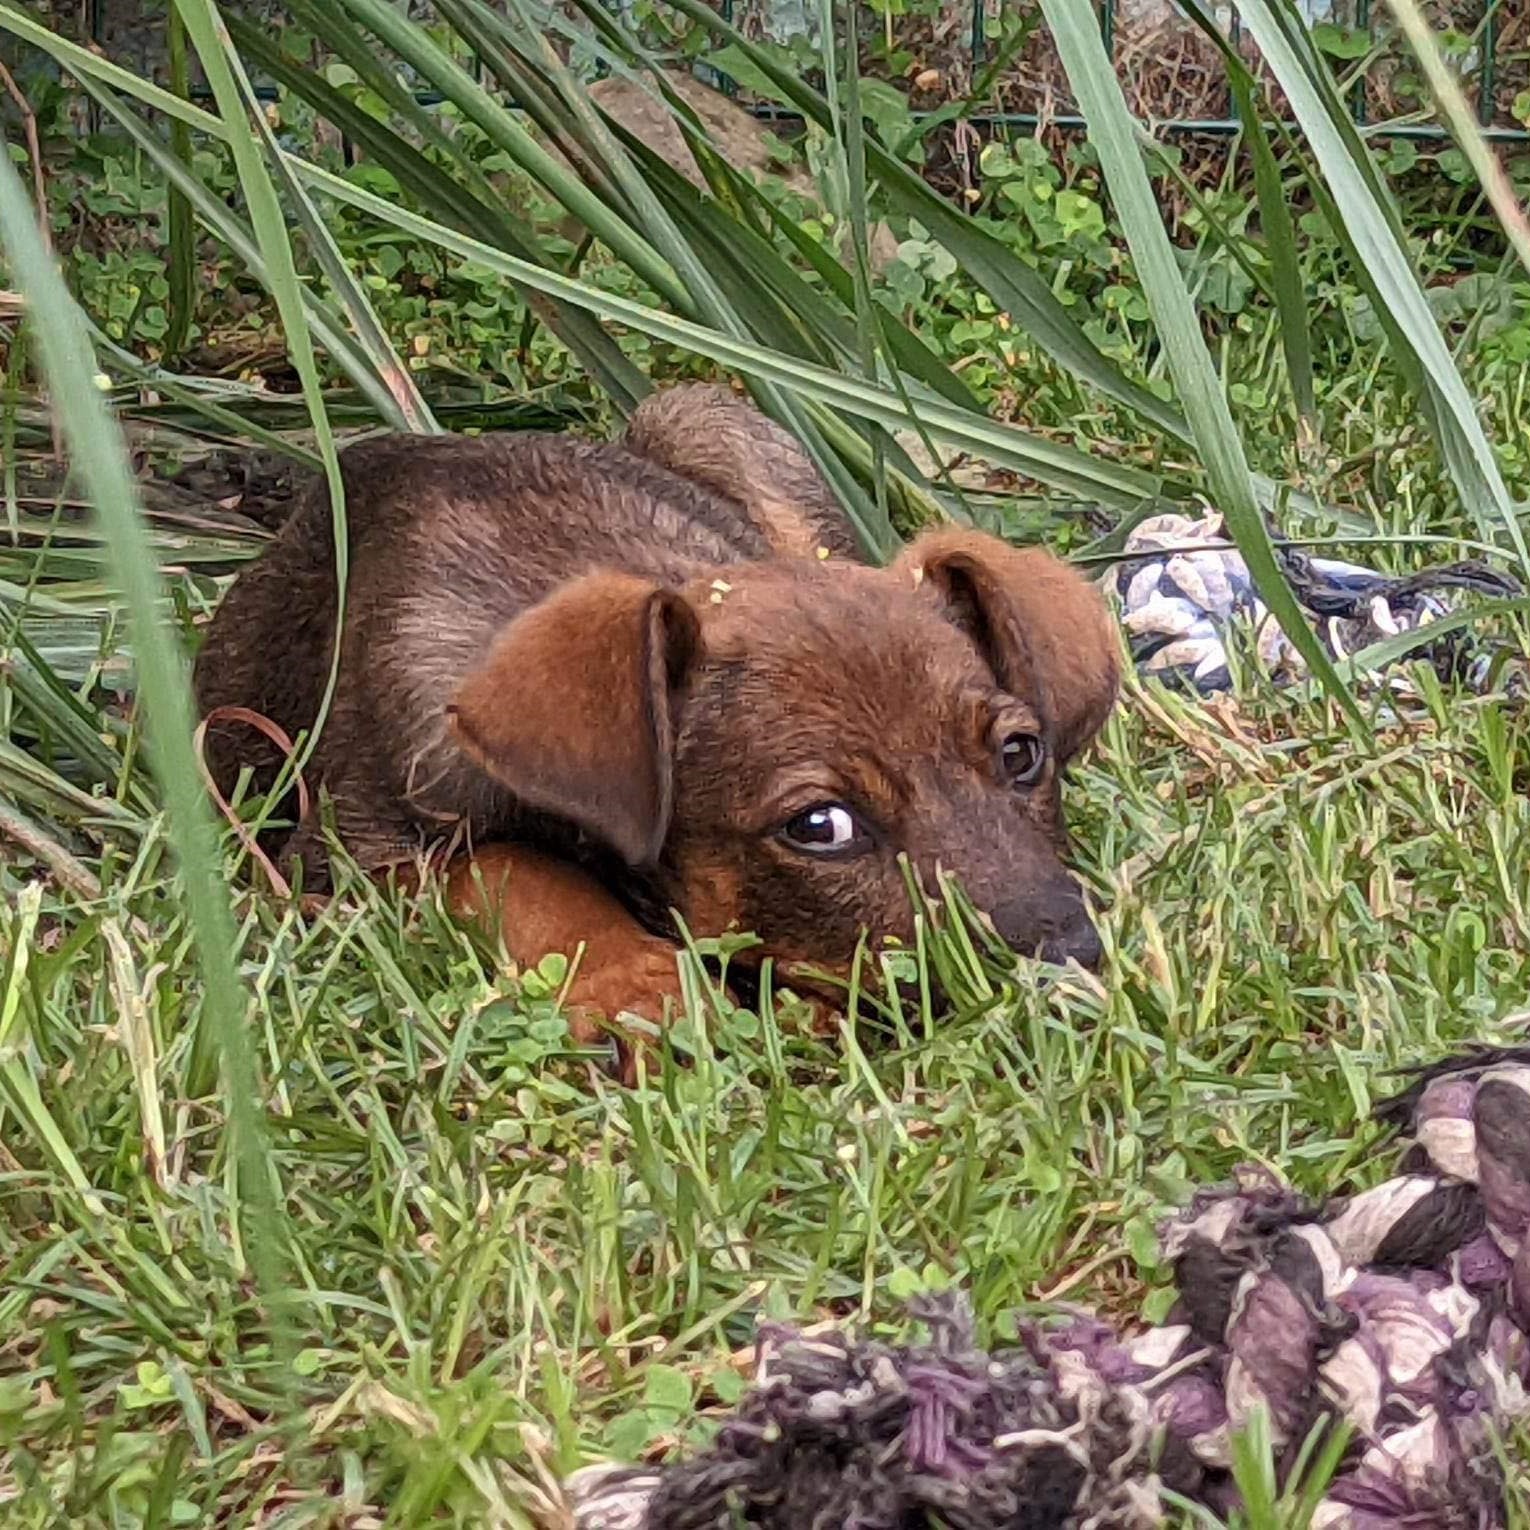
449 538
269 644
705 433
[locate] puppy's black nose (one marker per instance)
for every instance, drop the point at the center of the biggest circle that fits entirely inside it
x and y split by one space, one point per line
1051 925
1079 943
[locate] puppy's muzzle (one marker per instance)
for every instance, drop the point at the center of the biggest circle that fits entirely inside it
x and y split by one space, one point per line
1051 924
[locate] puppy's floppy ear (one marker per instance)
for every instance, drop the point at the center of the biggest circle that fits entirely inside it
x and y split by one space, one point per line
574 707
1044 630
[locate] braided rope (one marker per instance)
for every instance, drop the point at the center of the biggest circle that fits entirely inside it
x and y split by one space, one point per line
1403 1311
1184 589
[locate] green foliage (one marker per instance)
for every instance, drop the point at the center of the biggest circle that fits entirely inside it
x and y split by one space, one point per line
500 1263
465 334
508 1263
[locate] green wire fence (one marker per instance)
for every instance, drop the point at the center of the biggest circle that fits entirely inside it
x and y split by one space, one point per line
1487 37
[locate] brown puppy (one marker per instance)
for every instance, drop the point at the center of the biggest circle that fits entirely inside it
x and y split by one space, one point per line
652 675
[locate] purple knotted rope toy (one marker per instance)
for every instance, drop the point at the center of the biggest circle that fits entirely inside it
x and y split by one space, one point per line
1403 1310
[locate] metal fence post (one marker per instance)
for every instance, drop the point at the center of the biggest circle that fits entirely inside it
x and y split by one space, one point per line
1487 81
1361 105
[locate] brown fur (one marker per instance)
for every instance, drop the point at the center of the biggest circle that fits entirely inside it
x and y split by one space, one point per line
614 665
707 435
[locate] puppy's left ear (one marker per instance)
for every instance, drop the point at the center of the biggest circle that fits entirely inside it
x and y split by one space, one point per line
1044 629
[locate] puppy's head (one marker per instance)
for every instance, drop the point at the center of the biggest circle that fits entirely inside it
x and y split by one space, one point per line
768 742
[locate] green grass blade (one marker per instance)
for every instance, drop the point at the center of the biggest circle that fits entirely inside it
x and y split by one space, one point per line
18 1088
1112 131
733 218
1288 279
795 318
220 421
180 224
99 455
1366 211
37 689
1253 1466
778 306
906 349
850 143
1447 92
473 207
214 47
1390 650
137 1035
413 412
1322 1453
781 309
349 43
500 46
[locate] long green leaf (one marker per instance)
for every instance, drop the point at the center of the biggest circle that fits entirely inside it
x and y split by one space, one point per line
341 37
72 724
349 293
1112 131
1018 290
519 55
1367 214
850 145
802 321
210 412
1280 240
84 64
1050 462
180 225
215 49
99 456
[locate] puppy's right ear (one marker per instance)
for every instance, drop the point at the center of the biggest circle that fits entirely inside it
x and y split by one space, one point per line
574 708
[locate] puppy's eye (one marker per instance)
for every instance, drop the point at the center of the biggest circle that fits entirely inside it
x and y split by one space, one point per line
829 828
1022 758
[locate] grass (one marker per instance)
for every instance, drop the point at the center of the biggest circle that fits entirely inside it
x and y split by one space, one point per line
500 1263
505 1264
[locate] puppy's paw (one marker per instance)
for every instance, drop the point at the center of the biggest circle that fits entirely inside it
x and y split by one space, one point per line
643 981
